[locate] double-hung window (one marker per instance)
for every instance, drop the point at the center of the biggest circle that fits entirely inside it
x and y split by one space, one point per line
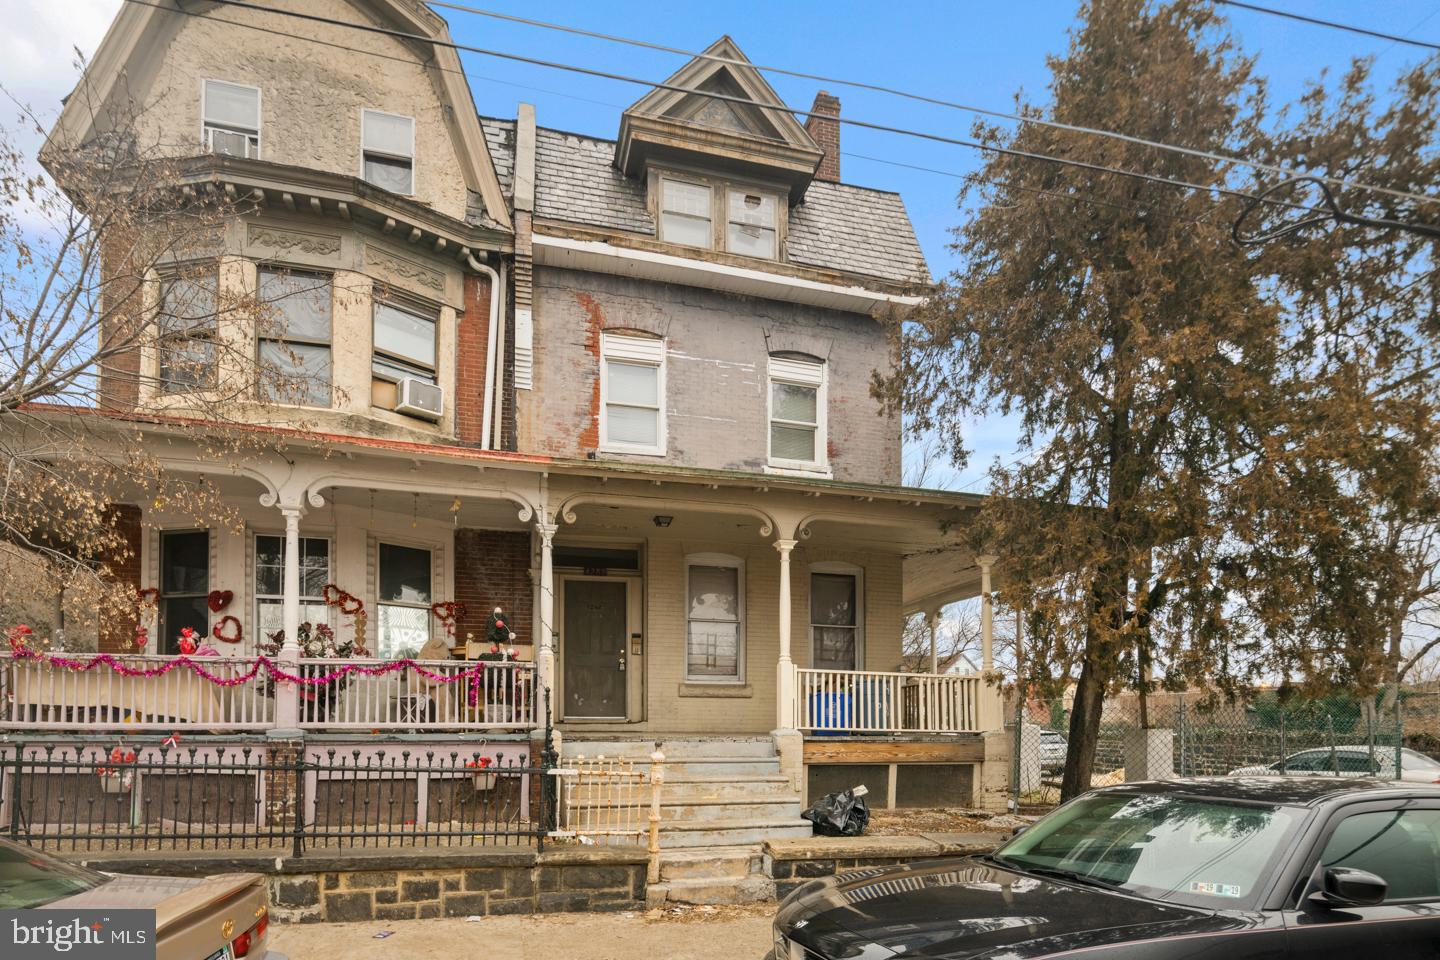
405 587
404 341
685 213
750 224
387 150
714 619
797 413
835 633
270 582
184 586
186 325
294 337
231 122
632 390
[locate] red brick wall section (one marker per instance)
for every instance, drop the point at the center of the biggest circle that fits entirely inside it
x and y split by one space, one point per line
492 569
472 342
124 568
826 133
121 303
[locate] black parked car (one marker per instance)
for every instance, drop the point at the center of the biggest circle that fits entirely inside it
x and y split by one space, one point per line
1231 868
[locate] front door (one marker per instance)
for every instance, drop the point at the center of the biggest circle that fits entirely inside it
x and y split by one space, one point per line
594 649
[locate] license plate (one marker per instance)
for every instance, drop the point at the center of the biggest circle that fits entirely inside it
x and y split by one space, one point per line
222 954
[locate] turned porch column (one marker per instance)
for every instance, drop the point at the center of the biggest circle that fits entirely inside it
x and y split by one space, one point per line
785 666
287 696
545 652
987 614
932 618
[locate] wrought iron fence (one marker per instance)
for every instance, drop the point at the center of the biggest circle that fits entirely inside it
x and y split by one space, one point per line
91 799
1194 735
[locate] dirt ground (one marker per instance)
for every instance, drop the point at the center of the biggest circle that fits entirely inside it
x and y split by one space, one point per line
908 822
683 933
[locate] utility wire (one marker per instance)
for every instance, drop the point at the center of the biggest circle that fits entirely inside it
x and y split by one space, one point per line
936 101
1393 37
863 124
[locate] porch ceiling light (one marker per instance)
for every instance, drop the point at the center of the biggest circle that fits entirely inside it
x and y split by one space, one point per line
663 521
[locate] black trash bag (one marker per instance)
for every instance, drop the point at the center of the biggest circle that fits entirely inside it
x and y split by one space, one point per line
842 814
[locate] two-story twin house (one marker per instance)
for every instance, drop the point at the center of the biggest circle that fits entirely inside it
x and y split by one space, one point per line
619 388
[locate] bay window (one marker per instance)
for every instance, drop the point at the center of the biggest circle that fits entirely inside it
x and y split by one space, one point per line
270 582
187 328
294 337
404 599
404 341
797 413
632 391
714 619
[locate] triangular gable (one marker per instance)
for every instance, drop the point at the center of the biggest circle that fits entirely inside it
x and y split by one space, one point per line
732 79
138 27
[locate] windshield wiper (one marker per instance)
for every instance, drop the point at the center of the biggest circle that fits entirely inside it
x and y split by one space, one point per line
1057 873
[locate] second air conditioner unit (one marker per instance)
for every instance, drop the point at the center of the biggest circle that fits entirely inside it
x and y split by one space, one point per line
420 398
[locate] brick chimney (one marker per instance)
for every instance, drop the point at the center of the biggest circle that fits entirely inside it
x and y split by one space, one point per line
825 129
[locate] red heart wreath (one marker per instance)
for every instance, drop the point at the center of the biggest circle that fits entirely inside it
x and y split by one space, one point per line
147 597
448 610
221 629
219 599
332 595
351 605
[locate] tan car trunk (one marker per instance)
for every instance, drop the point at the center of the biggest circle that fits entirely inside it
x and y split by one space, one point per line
201 921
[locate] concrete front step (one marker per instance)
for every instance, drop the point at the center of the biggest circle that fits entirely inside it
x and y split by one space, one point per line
704 809
701 891
729 833
690 787
674 748
710 863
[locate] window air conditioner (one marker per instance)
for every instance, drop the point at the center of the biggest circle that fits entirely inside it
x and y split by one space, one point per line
228 142
420 398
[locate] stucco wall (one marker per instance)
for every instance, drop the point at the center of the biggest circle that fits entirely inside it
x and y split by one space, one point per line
311 95
717 349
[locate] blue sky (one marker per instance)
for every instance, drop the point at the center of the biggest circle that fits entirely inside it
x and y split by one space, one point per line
972 52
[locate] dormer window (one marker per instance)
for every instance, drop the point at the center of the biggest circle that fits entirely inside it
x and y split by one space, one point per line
750 228
387 149
231 122
685 213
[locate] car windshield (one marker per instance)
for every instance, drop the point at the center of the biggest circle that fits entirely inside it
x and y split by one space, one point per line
29 878
1188 850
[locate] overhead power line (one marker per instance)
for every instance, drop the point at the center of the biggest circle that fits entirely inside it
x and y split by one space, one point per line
863 124
1363 31
937 101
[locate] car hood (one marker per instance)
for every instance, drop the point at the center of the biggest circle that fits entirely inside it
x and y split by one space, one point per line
170 897
955 909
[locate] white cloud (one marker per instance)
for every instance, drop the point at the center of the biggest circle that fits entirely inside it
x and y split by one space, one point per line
37 48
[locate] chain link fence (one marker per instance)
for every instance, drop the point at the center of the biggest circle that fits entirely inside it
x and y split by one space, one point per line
1194 735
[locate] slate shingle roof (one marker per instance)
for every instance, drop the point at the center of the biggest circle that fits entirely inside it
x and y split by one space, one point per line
838 227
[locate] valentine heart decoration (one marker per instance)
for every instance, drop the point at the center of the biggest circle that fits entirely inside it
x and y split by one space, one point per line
228 629
219 599
187 641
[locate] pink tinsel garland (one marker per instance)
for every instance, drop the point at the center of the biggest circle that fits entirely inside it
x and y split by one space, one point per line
473 674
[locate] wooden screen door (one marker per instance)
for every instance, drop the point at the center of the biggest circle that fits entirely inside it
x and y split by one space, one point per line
594 651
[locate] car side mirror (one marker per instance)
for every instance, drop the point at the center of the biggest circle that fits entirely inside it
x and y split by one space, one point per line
1019 830
1348 887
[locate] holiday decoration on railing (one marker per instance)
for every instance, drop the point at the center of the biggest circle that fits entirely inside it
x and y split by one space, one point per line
480 773
219 599
448 612
142 637
119 776
227 630
187 643
316 641
497 631
147 610
19 637
351 606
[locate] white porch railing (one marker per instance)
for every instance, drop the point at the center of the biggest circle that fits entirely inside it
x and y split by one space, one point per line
864 701
407 700
38 696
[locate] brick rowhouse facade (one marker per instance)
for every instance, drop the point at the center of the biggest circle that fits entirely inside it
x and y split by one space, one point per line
492 568
124 567
471 346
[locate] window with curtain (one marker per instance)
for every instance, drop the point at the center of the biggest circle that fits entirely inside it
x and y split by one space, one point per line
750 230
714 627
187 325
294 337
232 118
184 587
403 626
685 215
633 393
270 582
388 150
404 341
834 621
797 413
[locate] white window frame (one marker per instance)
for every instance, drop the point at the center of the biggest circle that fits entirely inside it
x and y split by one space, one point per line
391 156
641 351
803 373
836 568
660 211
205 125
259 597
205 331
263 337
433 551
738 565
774 228
409 367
